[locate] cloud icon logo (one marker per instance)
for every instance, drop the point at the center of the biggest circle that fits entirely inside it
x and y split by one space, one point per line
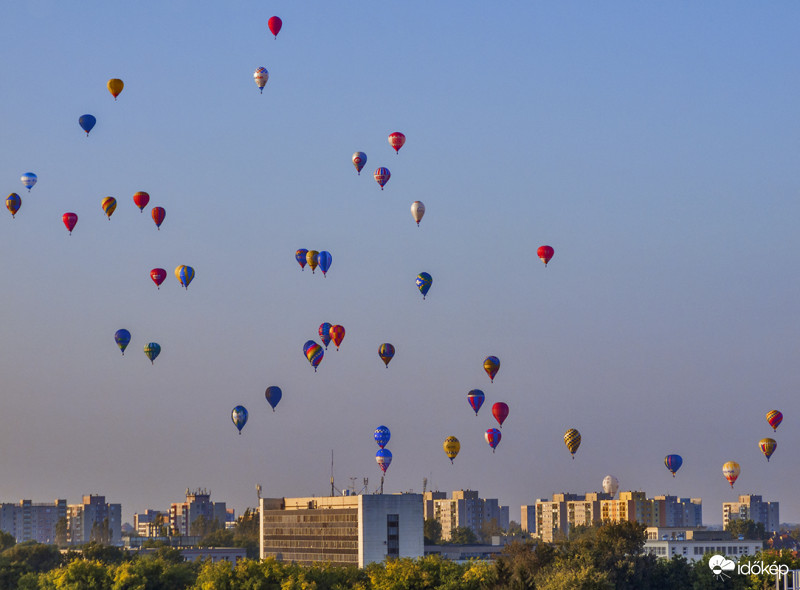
719 565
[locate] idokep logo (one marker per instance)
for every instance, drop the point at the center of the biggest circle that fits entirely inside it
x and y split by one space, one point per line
719 565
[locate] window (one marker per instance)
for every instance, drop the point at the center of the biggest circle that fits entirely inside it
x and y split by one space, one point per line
393 535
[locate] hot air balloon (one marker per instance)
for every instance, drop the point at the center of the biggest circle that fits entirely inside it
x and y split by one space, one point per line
13 203
324 259
396 140
109 205
300 256
386 352
337 335
69 219
673 463
307 345
158 214
610 485
122 338
382 436
141 199
451 447
572 438
158 275
152 350
87 122
261 76
475 398
500 412
384 459
417 211
274 23
184 274
28 180
767 446
731 472
491 364
382 176
424 282
359 159
312 257
545 253
273 395
239 417
774 417
325 333
115 86
314 355
493 437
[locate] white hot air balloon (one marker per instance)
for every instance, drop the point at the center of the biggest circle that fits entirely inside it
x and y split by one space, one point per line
261 75
417 210
610 485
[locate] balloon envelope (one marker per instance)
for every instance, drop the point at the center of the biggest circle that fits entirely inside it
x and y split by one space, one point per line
275 23
337 334
500 412
13 203
476 398
382 176
109 205
673 463
397 140
273 395
386 352
87 122
152 350
141 199
491 364
731 471
239 417
158 275
300 256
610 484
115 86
451 447
545 253
314 355
493 437
324 259
158 214
307 345
384 459
774 417
312 257
325 333
69 219
572 438
184 274
28 180
767 446
359 160
122 338
261 75
382 436
424 282
417 211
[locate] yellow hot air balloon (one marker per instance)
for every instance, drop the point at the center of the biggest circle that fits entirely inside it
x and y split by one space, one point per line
731 471
109 205
767 446
451 447
312 257
115 86
572 438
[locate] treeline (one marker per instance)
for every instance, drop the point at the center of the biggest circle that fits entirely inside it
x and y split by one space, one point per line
604 557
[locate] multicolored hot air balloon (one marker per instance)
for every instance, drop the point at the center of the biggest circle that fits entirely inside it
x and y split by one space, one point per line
239 417
572 438
382 176
491 364
384 459
261 76
386 352
493 437
312 257
336 334
28 180
122 338
307 345
424 282
184 274
767 446
314 354
273 395
324 259
115 86
500 412
300 256
396 140
13 203
451 447
87 122
158 214
545 253
152 350
475 398
382 436
69 219
141 199
774 417
158 275
325 333
275 23
673 463
417 211
359 160
109 205
731 472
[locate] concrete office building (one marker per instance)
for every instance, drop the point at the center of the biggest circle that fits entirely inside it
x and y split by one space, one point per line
692 544
94 520
344 530
27 521
750 507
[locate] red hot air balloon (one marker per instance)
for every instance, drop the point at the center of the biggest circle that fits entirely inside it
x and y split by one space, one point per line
158 214
545 253
396 140
158 275
141 199
275 24
774 417
69 219
337 335
500 412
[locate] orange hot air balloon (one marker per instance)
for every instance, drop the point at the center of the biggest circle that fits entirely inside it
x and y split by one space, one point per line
545 253
141 199
396 140
115 86
731 471
774 417
158 214
337 335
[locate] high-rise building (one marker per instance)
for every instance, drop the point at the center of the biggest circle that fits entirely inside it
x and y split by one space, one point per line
151 523
750 507
27 521
466 509
428 498
198 504
94 520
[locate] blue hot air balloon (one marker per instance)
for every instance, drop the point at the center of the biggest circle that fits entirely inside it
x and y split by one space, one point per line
29 179
424 281
239 417
384 459
673 463
87 122
324 260
382 436
273 395
152 350
476 398
122 338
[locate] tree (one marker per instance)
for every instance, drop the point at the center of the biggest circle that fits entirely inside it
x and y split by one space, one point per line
463 535
433 531
61 531
219 538
746 528
202 526
35 557
490 528
7 541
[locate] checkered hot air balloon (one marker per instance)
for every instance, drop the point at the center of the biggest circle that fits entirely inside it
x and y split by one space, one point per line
572 438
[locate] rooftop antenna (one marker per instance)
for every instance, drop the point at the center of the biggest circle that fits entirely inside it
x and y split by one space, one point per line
332 488
424 485
258 490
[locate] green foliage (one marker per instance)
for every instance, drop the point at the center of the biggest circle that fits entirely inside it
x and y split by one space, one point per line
219 538
747 528
428 572
33 557
7 541
81 574
432 529
98 552
463 535
202 526
489 529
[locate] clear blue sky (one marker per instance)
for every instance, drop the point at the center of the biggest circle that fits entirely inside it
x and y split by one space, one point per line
653 145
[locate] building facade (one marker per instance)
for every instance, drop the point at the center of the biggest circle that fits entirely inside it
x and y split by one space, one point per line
94 520
28 521
693 544
198 504
151 523
465 508
344 530
753 508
